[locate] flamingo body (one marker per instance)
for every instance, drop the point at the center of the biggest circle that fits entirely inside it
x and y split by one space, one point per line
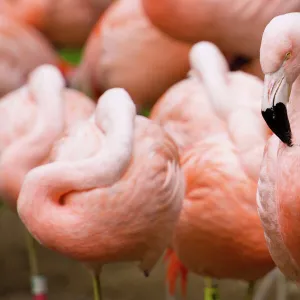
228 234
235 27
126 50
215 118
125 213
278 186
66 23
20 112
185 113
22 49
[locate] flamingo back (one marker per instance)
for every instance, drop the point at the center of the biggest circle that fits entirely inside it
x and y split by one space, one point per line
185 112
19 115
219 233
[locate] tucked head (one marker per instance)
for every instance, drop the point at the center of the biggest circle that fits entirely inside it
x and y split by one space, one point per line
203 52
280 62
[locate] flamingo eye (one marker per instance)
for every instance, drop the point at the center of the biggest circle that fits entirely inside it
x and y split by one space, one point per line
288 55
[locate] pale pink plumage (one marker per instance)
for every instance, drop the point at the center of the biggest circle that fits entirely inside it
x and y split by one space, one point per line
278 188
112 191
32 118
22 49
215 117
125 50
186 110
234 26
66 23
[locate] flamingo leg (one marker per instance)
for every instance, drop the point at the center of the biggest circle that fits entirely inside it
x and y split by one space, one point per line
281 286
265 285
1 206
96 286
168 295
38 282
250 290
211 291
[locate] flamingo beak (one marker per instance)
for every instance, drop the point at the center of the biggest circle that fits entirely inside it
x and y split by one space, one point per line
275 98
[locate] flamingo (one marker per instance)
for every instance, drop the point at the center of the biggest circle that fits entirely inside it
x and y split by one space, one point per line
22 49
155 61
185 112
67 23
214 116
125 50
278 186
236 27
112 192
32 118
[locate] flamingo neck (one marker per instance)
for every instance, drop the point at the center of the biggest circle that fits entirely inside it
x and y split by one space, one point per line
48 127
32 149
109 164
294 111
41 198
295 92
212 69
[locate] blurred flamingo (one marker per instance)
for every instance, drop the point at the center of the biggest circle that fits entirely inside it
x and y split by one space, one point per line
125 50
66 23
113 191
236 27
22 49
214 116
278 187
32 118
185 112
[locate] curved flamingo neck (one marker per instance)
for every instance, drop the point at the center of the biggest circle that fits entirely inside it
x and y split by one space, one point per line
115 116
44 187
210 66
46 87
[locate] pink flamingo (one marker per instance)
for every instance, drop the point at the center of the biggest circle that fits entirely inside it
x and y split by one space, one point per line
112 192
22 49
146 64
234 26
32 118
66 23
278 187
215 118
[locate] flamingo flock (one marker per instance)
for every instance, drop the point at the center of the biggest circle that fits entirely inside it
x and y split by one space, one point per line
176 133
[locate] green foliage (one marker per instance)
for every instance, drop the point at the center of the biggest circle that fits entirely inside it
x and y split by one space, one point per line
145 113
73 56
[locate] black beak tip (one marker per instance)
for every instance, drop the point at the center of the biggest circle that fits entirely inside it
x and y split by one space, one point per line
277 119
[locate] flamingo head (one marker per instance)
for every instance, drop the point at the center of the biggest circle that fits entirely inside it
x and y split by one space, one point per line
280 63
